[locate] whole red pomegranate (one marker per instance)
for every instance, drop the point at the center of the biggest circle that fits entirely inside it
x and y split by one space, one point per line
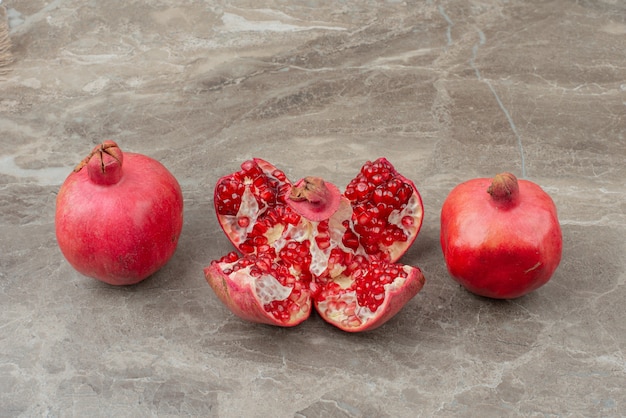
500 238
306 243
118 215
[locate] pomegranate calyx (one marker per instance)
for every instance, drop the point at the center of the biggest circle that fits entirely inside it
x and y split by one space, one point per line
104 163
504 188
314 198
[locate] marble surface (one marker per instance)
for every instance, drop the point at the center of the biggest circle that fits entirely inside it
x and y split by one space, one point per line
446 90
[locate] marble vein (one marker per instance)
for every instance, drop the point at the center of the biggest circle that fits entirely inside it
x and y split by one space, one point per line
481 41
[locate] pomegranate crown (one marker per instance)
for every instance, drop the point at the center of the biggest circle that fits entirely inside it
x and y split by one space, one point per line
104 163
504 188
314 198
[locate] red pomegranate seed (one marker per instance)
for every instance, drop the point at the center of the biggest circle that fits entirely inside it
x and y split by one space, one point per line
246 248
362 188
279 175
322 244
350 240
250 168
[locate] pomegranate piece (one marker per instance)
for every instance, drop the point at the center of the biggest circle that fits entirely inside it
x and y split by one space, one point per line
260 288
361 294
339 249
118 215
500 237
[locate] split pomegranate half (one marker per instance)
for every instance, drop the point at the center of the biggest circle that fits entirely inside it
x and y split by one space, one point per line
305 243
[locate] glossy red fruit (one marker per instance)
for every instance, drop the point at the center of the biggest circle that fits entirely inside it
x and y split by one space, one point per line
500 238
305 243
118 215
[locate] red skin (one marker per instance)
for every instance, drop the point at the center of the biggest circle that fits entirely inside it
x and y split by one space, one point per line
120 233
500 249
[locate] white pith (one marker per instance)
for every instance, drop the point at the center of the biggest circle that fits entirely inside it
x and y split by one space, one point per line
269 289
266 287
249 208
319 257
412 209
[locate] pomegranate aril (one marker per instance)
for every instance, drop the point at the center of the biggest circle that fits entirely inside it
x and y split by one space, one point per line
404 194
336 256
388 240
364 218
294 307
246 248
385 278
303 249
263 249
279 175
262 265
357 274
350 309
267 196
259 229
279 309
292 218
323 226
323 245
231 257
399 235
259 182
383 195
273 183
361 189
368 169
322 238
259 240
250 168
384 209
393 185
350 240
375 231
314 288
379 178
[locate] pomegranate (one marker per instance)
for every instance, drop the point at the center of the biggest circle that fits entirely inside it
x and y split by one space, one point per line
305 243
500 238
118 215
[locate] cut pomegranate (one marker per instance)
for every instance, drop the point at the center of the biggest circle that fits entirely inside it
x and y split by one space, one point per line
260 288
359 294
313 242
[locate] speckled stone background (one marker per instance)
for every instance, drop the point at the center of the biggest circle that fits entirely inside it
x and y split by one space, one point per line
447 90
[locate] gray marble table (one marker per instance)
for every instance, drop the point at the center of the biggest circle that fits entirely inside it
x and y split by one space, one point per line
446 90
